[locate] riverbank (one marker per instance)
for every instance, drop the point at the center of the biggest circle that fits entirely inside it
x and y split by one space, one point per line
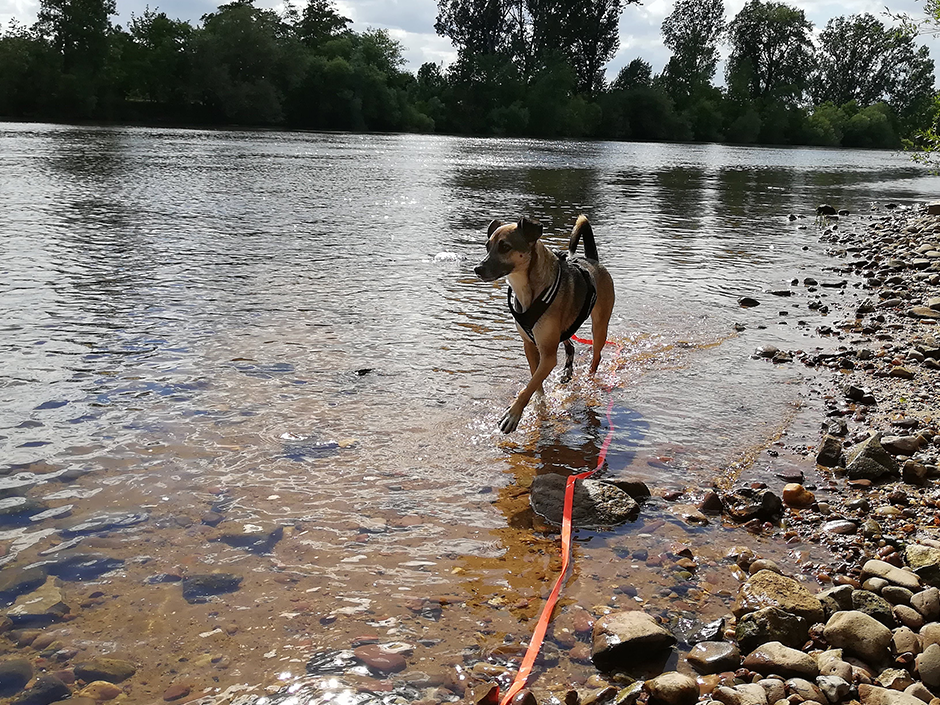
870 633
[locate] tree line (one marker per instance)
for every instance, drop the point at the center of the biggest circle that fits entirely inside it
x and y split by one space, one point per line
523 68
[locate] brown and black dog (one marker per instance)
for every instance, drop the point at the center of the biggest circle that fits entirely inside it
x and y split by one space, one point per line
550 297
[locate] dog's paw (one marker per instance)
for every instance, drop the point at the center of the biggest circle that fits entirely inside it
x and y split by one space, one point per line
510 420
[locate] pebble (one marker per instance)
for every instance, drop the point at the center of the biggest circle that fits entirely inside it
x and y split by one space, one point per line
100 690
708 657
175 692
379 660
797 496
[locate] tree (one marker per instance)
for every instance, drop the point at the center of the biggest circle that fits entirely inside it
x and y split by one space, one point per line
638 73
475 27
860 59
319 22
692 32
246 61
771 53
159 60
79 30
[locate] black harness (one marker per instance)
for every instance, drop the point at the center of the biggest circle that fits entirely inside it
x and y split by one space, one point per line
583 287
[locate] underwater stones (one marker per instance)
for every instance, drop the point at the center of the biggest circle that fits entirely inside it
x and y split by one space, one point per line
44 605
112 670
46 690
74 567
197 588
15 673
745 503
380 660
105 521
596 503
253 541
17 581
621 638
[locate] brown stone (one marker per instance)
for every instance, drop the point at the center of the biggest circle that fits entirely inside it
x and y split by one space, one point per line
175 692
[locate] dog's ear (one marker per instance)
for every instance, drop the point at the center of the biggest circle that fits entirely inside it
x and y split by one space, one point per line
530 230
492 227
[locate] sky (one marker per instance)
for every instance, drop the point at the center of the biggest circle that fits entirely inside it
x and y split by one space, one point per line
411 22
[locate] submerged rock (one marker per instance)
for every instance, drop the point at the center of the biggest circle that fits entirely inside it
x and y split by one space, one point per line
42 606
112 670
196 588
746 503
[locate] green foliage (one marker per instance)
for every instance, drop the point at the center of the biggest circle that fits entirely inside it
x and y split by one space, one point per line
523 68
692 32
771 52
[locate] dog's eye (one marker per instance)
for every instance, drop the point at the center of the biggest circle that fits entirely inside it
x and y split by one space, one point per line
504 247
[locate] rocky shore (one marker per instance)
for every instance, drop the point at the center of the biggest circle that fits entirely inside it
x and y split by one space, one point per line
871 634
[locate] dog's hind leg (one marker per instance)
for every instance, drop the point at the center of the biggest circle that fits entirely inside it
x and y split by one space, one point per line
569 362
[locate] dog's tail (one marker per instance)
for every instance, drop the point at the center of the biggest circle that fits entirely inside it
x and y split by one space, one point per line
583 228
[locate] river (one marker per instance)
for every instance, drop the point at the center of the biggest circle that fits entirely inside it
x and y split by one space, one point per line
283 329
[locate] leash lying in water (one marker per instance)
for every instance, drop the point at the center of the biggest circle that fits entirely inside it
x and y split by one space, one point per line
541 627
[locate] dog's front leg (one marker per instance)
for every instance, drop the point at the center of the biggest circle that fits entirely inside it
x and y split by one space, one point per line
548 357
532 356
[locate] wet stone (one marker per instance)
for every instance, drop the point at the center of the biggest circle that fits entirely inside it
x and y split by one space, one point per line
112 670
176 692
892 574
16 511
714 657
197 588
104 522
927 602
329 663
253 541
707 632
596 503
74 567
14 675
44 605
379 660
745 504
17 581
100 691
46 690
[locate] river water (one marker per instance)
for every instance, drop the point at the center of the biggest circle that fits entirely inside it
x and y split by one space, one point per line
284 329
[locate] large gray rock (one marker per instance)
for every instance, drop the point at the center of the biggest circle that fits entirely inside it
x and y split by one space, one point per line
596 502
858 634
873 695
869 461
622 638
893 574
925 562
672 689
770 624
768 589
775 658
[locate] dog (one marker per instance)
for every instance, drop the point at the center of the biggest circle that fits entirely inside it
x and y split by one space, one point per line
550 295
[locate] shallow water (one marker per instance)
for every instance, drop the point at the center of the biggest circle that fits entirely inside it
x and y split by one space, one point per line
285 328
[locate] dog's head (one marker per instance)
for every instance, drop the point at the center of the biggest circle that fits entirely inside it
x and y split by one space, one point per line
508 248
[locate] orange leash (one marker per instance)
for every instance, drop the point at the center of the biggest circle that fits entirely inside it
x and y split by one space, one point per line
541 627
